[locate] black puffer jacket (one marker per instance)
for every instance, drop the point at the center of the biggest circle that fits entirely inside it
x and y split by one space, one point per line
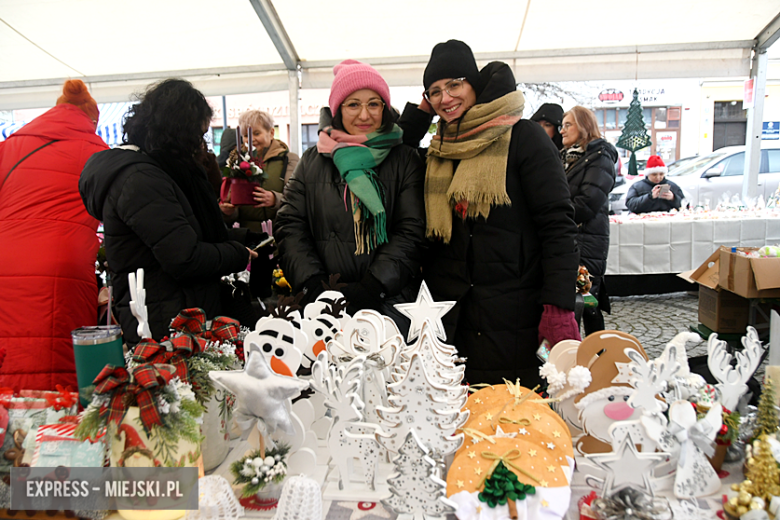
315 233
501 270
591 179
640 197
149 224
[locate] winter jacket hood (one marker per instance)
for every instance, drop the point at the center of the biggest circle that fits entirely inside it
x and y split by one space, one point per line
62 123
100 173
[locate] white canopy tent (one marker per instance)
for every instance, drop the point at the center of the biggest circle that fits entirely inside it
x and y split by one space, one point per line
242 46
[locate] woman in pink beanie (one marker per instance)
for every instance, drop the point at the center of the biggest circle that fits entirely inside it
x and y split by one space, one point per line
354 205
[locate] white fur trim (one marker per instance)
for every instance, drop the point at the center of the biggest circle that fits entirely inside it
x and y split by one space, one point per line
603 394
555 379
579 377
657 169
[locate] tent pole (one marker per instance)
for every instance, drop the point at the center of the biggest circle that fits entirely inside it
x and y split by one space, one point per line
754 126
224 114
295 112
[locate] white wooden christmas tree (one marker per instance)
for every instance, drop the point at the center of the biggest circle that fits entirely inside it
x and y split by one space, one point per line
438 357
431 410
417 491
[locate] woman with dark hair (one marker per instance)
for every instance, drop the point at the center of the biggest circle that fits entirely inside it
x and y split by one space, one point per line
589 162
499 219
354 205
159 211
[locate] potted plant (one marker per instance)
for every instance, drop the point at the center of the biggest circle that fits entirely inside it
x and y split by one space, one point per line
242 174
262 472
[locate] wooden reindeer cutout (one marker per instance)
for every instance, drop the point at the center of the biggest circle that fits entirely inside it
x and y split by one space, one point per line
732 381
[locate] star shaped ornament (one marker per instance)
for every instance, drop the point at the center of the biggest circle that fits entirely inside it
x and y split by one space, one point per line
627 467
261 394
425 308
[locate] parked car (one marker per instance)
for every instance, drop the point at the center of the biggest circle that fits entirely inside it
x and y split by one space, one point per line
710 178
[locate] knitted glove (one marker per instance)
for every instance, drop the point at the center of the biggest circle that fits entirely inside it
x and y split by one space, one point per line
557 325
368 293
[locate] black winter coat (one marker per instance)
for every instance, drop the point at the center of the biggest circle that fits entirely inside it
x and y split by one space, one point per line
591 179
500 270
640 198
315 232
149 224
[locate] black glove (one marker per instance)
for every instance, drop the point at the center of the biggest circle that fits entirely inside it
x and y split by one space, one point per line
312 288
368 293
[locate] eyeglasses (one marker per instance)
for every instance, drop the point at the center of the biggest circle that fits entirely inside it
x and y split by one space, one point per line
566 126
453 87
354 107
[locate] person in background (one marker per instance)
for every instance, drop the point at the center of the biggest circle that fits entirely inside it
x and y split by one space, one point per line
589 162
159 211
354 205
227 143
278 163
499 219
650 193
550 116
49 242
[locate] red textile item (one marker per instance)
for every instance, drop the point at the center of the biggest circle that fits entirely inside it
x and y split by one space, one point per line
557 325
49 246
193 321
149 351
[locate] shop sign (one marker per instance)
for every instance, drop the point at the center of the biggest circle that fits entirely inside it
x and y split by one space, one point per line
771 131
666 140
749 93
610 94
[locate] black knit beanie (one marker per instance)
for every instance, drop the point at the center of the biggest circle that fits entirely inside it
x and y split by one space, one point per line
452 59
550 112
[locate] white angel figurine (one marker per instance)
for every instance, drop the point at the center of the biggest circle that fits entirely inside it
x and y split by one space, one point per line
695 475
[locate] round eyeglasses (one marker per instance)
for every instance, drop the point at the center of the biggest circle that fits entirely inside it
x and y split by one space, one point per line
453 87
354 107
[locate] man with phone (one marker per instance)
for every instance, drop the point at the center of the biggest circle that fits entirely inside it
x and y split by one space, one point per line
654 192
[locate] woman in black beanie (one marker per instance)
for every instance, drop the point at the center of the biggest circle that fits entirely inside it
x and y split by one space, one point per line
499 218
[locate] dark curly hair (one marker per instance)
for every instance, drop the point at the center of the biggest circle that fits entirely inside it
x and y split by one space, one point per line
169 116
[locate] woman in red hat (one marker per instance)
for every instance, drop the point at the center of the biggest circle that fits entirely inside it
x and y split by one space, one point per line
654 192
49 242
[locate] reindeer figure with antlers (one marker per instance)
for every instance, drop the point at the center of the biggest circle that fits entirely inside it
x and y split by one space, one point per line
732 381
346 439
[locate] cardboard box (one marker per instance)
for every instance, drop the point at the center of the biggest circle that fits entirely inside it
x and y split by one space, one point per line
749 277
723 311
719 310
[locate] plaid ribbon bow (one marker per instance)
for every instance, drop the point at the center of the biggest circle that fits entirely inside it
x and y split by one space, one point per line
117 382
149 351
193 321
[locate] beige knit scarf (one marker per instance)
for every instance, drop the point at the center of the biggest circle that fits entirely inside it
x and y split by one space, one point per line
481 143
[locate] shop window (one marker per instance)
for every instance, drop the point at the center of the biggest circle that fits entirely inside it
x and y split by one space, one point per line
308 136
673 117
729 111
599 117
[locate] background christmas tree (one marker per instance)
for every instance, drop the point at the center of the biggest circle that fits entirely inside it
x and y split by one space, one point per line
766 421
762 471
634 136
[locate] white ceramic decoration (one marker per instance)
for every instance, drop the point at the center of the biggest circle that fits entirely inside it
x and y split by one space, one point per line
565 381
422 309
438 358
416 492
346 438
685 383
138 302
626 467
278 340
433 411
695 475
650 379
732 381
261 394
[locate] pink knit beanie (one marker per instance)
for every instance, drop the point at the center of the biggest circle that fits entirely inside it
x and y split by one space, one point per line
352 75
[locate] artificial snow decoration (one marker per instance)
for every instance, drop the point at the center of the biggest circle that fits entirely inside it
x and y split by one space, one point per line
422 309
417 491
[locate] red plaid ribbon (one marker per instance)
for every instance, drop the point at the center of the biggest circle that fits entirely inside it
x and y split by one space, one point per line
193 321
149 351
116 381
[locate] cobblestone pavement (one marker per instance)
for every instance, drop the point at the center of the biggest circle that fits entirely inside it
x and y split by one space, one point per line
655 319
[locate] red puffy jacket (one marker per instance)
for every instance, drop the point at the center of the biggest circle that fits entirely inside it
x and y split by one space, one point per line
49 245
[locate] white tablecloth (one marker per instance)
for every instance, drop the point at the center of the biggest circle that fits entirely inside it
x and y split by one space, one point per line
674 245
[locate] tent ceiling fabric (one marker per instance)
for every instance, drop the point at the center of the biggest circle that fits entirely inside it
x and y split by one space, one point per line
223 47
